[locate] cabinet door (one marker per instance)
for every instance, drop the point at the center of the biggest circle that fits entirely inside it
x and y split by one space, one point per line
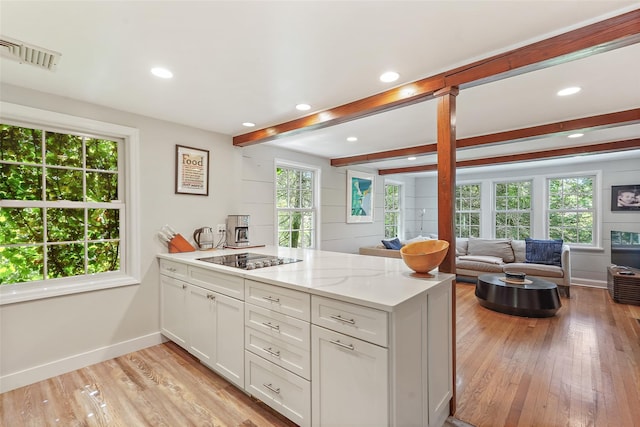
228 349
173 322
201 320
349 380
216 332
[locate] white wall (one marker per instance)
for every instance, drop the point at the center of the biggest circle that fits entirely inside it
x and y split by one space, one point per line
588 265
426 197
336 235
46 337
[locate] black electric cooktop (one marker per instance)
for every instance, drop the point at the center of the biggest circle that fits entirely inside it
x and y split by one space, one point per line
249 261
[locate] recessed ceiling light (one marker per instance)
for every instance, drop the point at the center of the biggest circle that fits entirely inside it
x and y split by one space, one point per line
248 124
163 73
303 107
575 135
352 139
411 158
389 76
569 91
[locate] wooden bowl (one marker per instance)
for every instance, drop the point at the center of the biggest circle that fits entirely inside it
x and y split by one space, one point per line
422 257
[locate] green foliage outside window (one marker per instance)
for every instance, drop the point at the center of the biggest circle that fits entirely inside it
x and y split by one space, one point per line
59 217
391 210
467 219
513 210
295 206
571 213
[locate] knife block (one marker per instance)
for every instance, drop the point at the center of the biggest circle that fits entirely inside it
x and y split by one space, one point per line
180 244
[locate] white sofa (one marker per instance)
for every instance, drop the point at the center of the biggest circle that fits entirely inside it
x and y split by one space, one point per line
485 256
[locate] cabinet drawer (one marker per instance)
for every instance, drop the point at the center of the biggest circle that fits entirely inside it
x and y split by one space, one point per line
283 300
357 321
225 284
173 269
285 328
285 392
280 352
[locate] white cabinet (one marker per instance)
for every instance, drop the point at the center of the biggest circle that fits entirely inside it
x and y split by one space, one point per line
349 380
285 392
277 343
317 359
173 299
216 327
370 367
206 323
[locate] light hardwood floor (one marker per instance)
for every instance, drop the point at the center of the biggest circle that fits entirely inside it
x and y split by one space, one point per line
158 386
579 368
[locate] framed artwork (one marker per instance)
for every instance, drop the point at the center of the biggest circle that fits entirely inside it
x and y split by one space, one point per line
625 197
192 171
360 189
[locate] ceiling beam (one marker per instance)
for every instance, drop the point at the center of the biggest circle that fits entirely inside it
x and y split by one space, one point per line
610 147
405 95
619 31
601 121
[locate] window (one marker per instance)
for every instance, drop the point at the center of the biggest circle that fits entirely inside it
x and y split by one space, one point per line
468 211
392 208
296 206
571 213
512 210
65 204
63 214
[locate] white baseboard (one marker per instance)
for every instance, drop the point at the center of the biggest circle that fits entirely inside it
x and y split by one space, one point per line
589 283
77 361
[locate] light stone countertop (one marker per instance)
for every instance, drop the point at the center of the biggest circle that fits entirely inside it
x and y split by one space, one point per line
377 282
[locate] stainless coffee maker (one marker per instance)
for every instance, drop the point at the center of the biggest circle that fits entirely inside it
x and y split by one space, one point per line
237 231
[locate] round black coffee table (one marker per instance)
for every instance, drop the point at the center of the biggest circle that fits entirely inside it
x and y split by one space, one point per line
539 298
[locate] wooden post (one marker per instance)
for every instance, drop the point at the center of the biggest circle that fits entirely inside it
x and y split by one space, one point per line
446 201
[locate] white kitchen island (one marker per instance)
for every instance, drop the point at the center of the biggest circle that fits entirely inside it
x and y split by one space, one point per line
336 339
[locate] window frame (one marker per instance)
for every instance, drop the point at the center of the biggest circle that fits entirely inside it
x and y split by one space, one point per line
495 211
400 211
479 211
129 273
596 203
282 163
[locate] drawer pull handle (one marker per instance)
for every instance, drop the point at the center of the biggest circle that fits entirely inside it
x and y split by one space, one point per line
211 296
273 389
171 269
338 343
271 352
342 319
184 286
272 299
274 327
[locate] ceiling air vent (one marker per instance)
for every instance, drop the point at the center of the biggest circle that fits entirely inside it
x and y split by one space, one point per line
28 54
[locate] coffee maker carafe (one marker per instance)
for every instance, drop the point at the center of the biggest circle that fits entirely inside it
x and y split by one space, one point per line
237 231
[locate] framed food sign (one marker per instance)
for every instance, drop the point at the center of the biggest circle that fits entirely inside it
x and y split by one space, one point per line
192 171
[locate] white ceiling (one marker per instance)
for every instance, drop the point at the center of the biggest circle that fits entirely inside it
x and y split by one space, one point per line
238 61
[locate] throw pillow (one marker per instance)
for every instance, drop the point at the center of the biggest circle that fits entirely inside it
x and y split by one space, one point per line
415 239
392 244
548 252
500 248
